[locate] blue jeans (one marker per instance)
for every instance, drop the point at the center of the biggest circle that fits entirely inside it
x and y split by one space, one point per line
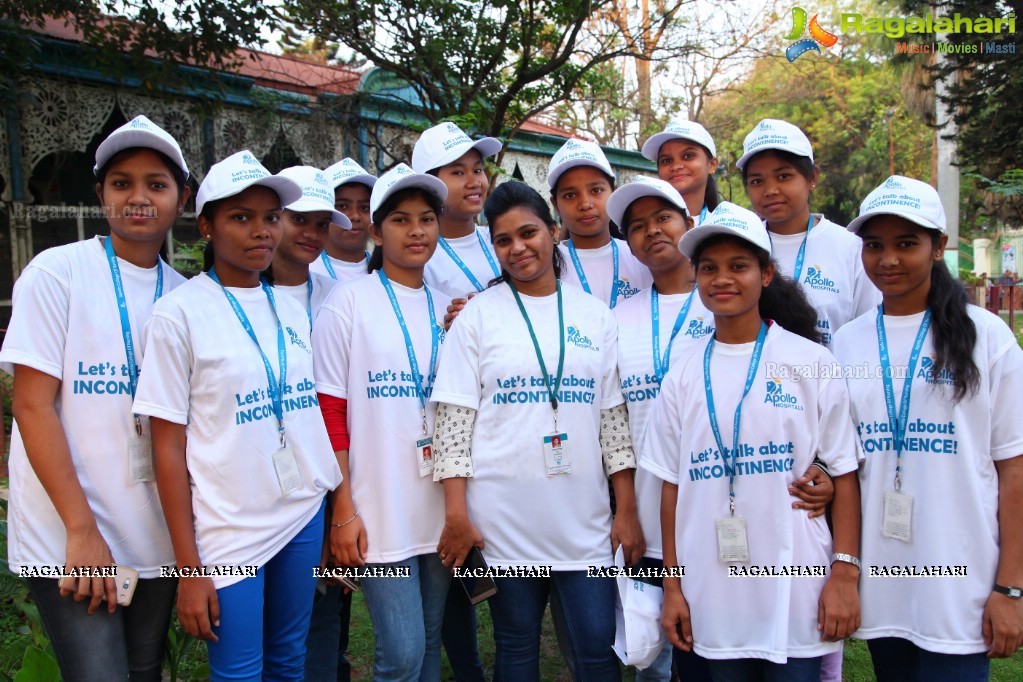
660 669
759 670
407 614
588 609
264 619
899 659
126 644
459 636
327 641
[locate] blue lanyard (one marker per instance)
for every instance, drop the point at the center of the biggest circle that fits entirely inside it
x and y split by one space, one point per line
122 309
330 266
582 275
275 388
802 250
461 264
703 214
661 364
897 422
309 310
754 362
417 376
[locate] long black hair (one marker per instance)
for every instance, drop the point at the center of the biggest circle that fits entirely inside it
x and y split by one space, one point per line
376 259
782 300
955 334
515 194
711 197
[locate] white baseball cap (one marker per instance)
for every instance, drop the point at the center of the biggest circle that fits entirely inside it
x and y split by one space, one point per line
728 219
679 129
237 173
401 177
446 143
317 195
347 170
904 197
641 186
774 134
140 132
574 153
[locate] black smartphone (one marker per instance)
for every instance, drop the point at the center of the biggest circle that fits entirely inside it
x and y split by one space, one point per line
478 585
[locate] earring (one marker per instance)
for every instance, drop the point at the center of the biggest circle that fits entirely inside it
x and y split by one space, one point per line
181 210
207 237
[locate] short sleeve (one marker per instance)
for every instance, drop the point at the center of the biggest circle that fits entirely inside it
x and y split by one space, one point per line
332 346
37 334
1006 374
166 377
662 439
610 386
458 380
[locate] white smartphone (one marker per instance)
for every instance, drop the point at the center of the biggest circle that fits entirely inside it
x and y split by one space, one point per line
125 577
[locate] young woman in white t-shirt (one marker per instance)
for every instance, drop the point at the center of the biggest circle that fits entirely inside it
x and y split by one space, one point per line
737 415
531 425
81 486
686 158
780 176
377 342
934 384
581 180
653 327
243 462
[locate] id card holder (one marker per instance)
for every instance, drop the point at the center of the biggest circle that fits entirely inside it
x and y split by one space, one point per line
286 466
897 520
557 459
140 459
732 543
424 455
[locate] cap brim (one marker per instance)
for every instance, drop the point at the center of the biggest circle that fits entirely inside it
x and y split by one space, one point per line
859 221
552 178
430 183
652 147
361 178
138 138
288 191
486 146
623 197
691 239
305 205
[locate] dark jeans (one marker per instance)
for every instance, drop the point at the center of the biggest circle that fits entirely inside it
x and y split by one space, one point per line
758 670
690 666
127 644
459 635
327 641
899 660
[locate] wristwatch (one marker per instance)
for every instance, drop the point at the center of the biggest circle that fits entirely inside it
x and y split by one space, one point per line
847 558
1010 592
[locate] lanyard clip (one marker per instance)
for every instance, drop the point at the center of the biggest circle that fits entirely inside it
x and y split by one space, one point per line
898 482
555 420
731 506
284 441
423 412
138 426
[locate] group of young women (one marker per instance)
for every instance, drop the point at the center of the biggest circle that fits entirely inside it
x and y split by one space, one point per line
694 395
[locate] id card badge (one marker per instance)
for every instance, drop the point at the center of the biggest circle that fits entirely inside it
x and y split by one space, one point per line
897 521
732 543
424 455
140 459
286 466
555 454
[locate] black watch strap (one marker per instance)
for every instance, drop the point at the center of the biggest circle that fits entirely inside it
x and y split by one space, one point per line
1010 592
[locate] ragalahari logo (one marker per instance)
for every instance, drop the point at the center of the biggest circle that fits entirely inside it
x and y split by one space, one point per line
817 36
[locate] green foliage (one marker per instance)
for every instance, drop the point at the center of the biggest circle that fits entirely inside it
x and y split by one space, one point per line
1009 184
188 257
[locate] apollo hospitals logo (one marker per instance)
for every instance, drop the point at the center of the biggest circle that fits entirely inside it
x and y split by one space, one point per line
577 338
815 279
296 341
625 289
927 373
818 36
777 396
697 329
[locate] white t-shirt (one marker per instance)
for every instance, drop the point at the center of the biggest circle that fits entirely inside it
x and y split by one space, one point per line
65 323
784 424
832 275
203 370
490 365
361 357
344 270
322 286
640 386
444 275
948 466
598 265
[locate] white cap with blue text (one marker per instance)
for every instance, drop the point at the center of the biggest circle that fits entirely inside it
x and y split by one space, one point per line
774 134
446 143
731 220
573 154
140 132
401 177
316 194
679 129
346 171
904 197
641 186
237 173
